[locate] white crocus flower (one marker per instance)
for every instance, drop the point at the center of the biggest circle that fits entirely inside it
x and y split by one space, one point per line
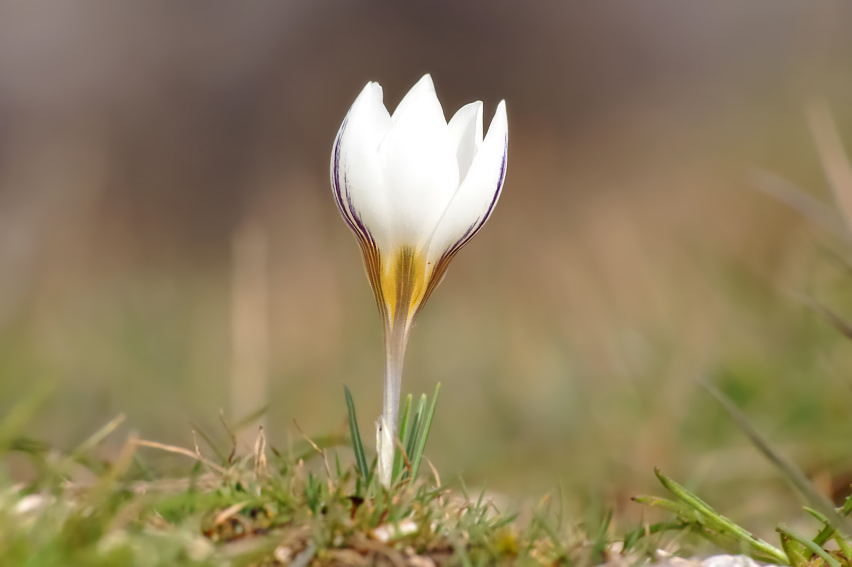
414 190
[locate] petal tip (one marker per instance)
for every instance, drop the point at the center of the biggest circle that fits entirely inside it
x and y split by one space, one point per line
425 83
501 109
376 90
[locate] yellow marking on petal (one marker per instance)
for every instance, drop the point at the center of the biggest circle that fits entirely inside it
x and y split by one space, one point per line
404 280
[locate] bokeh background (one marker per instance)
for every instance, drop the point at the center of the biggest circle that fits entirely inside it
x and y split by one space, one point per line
169 246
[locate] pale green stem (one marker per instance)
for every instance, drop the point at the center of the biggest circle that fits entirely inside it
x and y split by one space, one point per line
396 340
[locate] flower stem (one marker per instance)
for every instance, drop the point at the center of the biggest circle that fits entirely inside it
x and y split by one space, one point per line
396 340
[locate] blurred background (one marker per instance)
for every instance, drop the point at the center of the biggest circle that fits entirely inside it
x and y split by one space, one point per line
170 249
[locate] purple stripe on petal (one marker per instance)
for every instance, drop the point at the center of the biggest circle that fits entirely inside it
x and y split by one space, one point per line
341 192
500 182
335 174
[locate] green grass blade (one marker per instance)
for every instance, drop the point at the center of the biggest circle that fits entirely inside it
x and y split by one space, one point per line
665 504
405 425
201 433
832 533
795 551
403 436
416 428
719 523
461 554
357 445
424 434
31 446
843 544
822 519
368 480
633 537
789 470
601 540
825 534
811 546
250 418
99 436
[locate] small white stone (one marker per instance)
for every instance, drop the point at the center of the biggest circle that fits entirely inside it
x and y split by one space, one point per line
199 549
30 502
420 561
112 540
729 561
387 532
283 554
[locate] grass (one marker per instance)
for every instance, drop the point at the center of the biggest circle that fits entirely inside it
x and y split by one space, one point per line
693 515
830 546
306 506
320 503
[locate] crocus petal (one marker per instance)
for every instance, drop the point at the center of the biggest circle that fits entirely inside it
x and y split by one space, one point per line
356 173
477 195
418 160
424 85
466 130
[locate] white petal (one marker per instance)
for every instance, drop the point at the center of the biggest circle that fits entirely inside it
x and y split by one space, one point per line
418 160
478 193
466 130
424 85
356 174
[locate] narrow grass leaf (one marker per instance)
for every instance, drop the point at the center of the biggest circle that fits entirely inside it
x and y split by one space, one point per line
843 544
822 519
251 418
29 445
105 485
99 436
504 521
403 436
811 546
827 532
795 551
633 537
409 446
357 446
198 431
371 474
461 553
663 503
832 533
791 471
737 546
424 434
417 427
602 539
719 523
